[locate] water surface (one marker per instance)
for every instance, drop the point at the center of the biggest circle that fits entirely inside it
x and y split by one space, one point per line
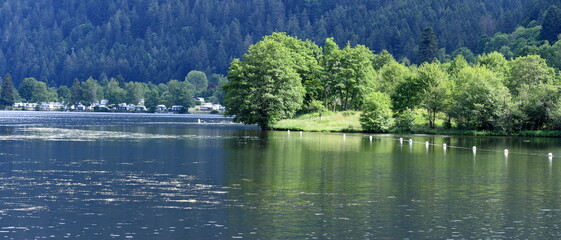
150 176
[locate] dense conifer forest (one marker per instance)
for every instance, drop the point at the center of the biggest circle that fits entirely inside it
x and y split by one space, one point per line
57 41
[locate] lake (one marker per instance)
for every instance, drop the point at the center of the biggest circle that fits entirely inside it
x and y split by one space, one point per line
166 176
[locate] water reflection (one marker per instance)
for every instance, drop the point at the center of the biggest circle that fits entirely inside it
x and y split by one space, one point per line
168 177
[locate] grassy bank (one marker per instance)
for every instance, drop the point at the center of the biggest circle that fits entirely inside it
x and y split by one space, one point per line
349 122
329 122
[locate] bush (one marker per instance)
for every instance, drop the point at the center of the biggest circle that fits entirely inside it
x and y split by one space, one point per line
405 121
377 113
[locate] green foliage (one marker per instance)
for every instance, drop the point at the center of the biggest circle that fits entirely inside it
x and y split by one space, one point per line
198 79
531 70
317 106
434 88
35 91
478 99
494 61
428 46
551 24
76 92
376 113
64 94
390 75
114 93
264 86
7 97
405 121
407 94
180 93
91 91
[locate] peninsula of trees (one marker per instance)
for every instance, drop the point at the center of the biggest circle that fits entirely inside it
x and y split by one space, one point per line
282 75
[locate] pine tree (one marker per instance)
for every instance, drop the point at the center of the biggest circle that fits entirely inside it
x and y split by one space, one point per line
428 46
7 95
551 25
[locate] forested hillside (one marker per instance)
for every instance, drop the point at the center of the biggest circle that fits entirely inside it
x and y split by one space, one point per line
57 41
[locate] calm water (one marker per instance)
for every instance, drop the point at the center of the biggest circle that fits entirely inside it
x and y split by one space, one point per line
148 176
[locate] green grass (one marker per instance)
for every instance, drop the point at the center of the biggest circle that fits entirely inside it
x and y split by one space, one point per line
329 122
349 122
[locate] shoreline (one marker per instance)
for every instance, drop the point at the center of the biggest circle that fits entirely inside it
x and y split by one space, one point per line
348 122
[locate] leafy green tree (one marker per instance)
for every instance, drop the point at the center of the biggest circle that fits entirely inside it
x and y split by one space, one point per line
537 104
27 87
551 25
7 97
306 56
41 93
91 91
316 106
478 99
457 65
407 94
428 47
495 62
377 114
76 92
114 93
531 70
330 64
390 75
64 94
405 121
180 93
264 86
198 80
135 92
381 59
35 91
152 99
435 89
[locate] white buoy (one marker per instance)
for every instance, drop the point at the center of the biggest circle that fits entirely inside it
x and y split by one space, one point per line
288 131
344 136
506 152
410 140
474 149
401 140
370 138
300 133
199 120
444 146
550 155
427 144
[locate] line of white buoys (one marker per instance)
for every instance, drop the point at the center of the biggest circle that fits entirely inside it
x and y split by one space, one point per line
474 148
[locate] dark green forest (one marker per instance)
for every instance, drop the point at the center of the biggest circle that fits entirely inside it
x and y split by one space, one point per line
57 41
